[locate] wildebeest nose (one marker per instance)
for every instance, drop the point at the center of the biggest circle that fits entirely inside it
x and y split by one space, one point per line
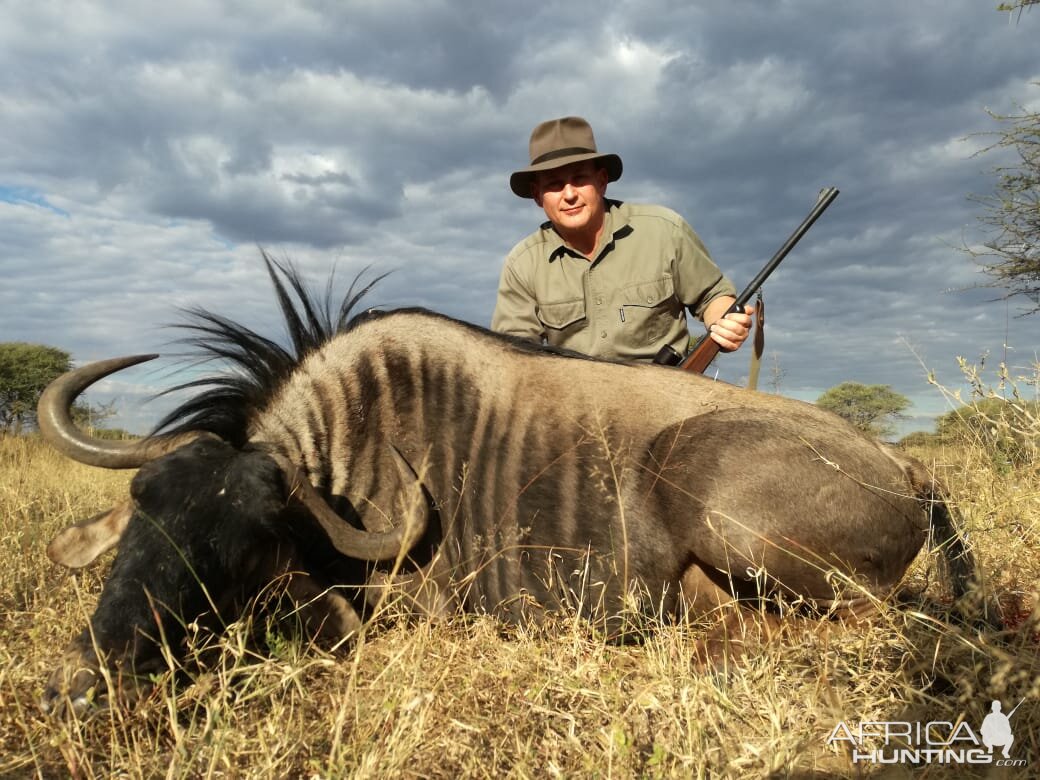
53 703
71 686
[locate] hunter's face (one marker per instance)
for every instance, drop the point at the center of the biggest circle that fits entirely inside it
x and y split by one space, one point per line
573 198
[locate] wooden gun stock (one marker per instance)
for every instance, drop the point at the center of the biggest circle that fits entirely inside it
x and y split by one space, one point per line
699 358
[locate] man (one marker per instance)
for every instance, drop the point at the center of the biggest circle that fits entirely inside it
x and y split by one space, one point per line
600 276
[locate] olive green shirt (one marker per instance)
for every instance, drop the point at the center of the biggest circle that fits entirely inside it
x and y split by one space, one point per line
627 302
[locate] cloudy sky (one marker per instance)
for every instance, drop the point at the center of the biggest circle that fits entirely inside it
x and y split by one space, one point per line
148 149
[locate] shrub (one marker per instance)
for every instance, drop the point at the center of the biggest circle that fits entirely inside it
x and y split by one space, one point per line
1007 429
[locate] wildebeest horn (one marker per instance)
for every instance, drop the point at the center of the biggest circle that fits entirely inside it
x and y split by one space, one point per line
349 540
55 421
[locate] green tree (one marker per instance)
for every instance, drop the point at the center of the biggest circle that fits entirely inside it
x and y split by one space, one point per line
25 370
871 408
919 439
1010 254
1008 430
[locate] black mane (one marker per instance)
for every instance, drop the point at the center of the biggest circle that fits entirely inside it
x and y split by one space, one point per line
257 366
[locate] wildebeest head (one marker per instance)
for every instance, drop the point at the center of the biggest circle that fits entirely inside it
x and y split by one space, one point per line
207 526
203 531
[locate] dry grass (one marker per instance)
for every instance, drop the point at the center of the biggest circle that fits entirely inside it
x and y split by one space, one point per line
470 698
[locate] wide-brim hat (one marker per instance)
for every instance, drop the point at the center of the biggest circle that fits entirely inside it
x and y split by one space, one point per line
560 142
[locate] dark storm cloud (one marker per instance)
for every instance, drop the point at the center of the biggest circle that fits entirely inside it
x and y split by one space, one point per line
441 46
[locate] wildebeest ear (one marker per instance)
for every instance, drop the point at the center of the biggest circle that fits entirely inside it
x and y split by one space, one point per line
83 542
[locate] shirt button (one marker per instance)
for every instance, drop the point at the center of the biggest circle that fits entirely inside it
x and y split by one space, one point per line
603 334
649 299
599 301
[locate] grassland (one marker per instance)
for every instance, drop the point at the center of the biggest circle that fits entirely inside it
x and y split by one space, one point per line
468 698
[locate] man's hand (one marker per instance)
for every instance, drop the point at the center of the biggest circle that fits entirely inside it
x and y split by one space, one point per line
732 330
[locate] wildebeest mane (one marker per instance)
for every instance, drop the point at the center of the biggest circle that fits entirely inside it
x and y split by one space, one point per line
255 366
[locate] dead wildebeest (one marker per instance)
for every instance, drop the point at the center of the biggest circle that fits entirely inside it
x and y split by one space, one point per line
531 479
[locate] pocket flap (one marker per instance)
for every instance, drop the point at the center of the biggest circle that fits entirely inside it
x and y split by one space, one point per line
560 315
648 293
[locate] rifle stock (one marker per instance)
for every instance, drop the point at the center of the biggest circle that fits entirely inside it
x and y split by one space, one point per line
699 358
704 351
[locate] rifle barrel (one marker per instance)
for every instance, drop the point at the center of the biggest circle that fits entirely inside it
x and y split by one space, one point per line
704 351
1016 707
827 197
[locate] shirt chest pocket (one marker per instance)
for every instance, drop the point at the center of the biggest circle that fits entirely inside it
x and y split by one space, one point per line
562 315
648 310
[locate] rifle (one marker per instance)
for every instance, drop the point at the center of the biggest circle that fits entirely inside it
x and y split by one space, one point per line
706 348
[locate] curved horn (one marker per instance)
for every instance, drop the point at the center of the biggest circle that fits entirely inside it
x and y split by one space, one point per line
58 430
346 538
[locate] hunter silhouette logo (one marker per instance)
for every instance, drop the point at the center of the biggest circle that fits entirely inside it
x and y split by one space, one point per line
996 729
935 741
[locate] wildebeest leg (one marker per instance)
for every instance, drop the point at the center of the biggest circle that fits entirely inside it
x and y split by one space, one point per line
425 592
707 589
701 595
736 626
731 627
324 611
737 633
